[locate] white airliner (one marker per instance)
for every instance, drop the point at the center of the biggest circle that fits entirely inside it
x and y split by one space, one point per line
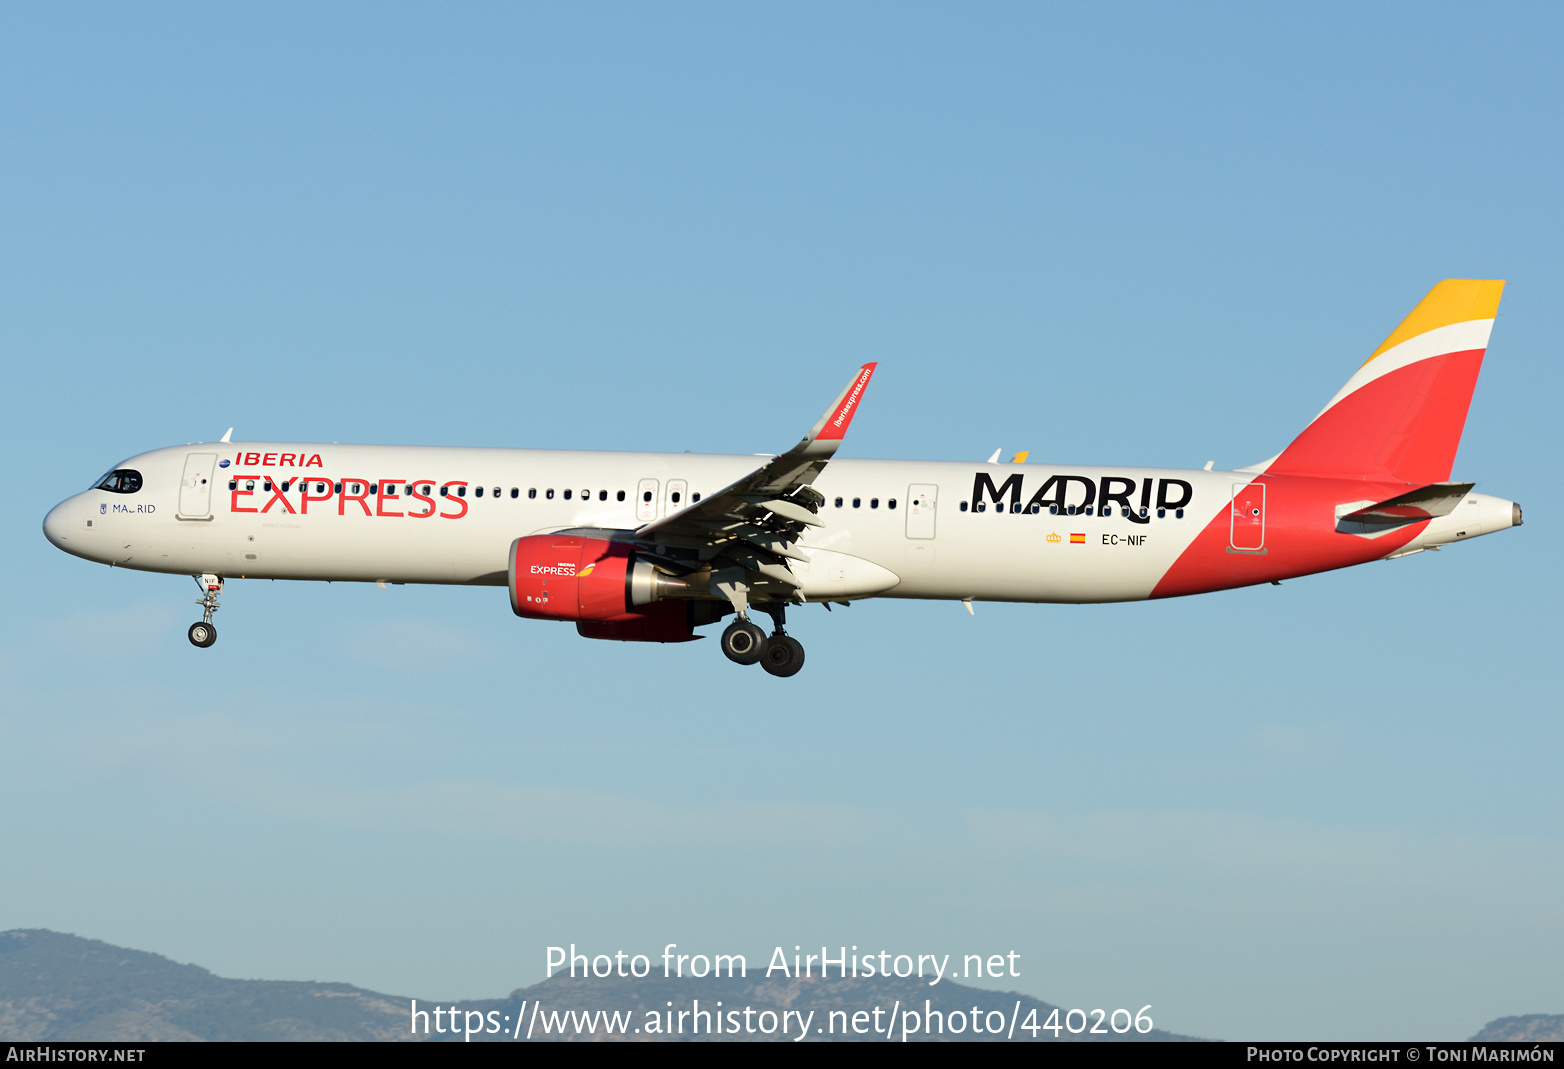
646 547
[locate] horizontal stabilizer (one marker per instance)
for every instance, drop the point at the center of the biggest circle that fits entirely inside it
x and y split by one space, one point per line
1425 503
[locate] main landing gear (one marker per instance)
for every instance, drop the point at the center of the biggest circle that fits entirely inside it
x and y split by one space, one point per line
204 633
779 653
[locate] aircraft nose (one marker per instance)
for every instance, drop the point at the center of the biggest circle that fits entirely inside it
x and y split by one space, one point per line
56 524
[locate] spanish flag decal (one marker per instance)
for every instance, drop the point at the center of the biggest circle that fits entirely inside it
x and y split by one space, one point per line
1077 540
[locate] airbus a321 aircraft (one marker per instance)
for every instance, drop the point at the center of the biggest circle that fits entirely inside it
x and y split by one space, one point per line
646 547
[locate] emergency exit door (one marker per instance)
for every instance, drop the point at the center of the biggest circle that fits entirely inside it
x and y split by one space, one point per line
677 492
646 501
1247 522
195 488
921 501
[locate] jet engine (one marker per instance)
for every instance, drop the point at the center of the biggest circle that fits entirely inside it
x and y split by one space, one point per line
604 588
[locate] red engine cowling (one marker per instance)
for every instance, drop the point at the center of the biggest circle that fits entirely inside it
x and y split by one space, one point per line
566 577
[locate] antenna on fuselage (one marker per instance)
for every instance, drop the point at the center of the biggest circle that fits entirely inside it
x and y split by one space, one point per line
227 435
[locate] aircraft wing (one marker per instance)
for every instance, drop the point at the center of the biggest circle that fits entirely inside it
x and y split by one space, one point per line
753 523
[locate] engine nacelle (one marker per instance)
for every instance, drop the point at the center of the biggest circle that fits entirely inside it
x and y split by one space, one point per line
667 621
603 587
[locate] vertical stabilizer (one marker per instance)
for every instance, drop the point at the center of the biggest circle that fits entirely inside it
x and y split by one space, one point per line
1401 416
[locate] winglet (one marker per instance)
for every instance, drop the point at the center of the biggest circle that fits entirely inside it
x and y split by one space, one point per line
832 427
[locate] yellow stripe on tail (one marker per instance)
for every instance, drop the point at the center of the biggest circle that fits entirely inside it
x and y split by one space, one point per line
1455 300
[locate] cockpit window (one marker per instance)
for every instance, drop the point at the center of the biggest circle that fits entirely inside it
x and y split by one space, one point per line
121 481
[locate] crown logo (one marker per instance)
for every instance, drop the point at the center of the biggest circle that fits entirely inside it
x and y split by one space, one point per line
1053 536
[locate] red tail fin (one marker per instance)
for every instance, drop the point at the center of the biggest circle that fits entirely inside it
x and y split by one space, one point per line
1401 416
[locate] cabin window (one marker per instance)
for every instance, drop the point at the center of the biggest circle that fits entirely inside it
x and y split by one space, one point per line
963 506
445 491
567 495
1162 514
674 497
857 502
621 495
515 492
233 484
891 503
532 493
374 488
461 491
266 484
874 502
549 493
1178 514
496 492
602 495
647 497
695 497
477 491
249 484
838 502
336 488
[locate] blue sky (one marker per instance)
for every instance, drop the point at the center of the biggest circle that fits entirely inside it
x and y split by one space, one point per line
1150 235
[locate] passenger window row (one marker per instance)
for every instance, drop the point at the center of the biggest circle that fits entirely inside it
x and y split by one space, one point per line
428 488
1072 510
874 502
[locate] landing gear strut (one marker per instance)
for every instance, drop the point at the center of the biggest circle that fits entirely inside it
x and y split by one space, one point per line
779 653
203 634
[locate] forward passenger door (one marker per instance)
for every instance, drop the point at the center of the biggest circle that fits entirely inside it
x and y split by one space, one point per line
195 487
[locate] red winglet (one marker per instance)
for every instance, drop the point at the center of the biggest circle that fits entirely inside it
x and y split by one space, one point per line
841 417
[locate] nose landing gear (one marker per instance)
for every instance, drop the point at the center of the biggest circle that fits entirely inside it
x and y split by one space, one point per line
203 634
779 653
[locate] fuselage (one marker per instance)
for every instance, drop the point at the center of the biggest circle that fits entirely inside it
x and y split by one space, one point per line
892 528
